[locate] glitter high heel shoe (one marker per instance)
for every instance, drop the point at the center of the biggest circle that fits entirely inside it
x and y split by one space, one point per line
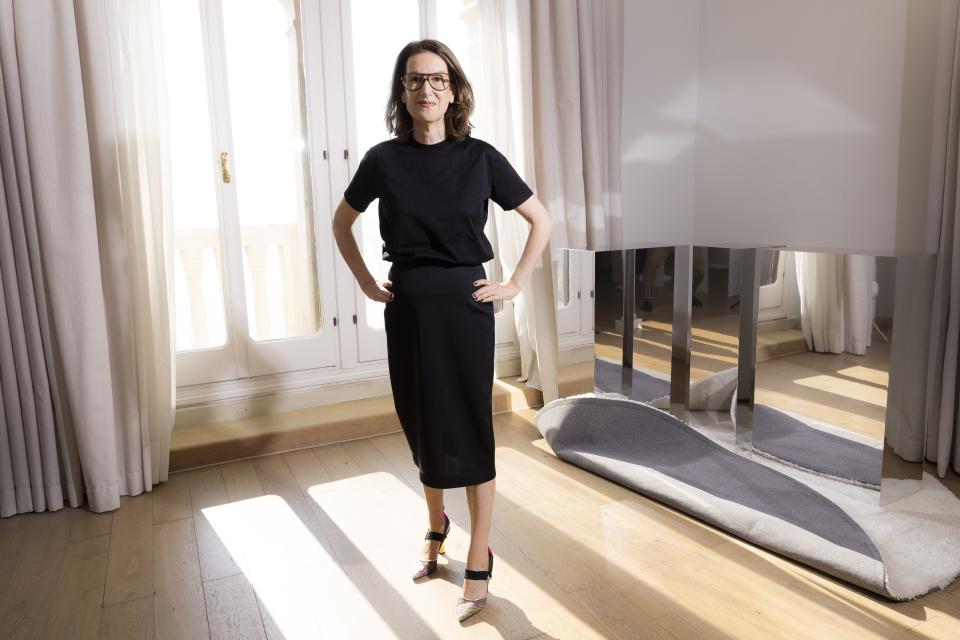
429 566
466 608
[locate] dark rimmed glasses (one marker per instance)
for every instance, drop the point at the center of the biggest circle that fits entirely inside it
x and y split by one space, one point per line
413 81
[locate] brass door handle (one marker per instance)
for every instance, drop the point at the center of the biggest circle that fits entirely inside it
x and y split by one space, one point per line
225 166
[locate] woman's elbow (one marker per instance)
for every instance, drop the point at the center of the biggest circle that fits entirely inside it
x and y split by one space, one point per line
344 216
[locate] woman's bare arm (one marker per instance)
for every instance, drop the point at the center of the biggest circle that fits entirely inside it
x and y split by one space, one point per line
343 219
536 214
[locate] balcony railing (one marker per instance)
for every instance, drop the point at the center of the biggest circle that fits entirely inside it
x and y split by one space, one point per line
277 281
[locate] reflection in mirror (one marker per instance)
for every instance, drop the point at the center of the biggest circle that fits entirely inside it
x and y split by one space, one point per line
789 351
823 357
715 318
649 286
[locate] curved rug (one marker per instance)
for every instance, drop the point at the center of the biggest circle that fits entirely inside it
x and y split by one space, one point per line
901 550
792 440
645 387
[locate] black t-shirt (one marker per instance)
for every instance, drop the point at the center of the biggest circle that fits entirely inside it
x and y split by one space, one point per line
433 198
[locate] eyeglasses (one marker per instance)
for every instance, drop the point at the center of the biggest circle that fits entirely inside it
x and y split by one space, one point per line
413 81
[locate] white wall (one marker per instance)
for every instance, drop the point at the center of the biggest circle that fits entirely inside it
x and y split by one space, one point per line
659 119
818 124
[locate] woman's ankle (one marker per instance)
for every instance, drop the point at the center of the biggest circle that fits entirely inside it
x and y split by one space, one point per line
477 561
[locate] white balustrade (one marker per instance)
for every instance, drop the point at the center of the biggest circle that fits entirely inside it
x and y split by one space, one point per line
287 280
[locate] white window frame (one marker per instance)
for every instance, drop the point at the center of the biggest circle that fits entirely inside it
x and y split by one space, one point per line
240 356
771 301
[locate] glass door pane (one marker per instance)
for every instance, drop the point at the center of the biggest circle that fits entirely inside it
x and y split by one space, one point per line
567 287
379 30
271 167
198 270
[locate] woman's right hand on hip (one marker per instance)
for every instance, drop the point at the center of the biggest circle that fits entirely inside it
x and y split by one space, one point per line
378 290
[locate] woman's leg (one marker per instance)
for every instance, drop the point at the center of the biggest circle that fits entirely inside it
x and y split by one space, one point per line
480 501
434 498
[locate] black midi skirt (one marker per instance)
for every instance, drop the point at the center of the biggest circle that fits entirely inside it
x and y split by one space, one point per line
440 352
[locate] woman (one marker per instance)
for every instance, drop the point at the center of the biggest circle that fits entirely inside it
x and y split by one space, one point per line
433 181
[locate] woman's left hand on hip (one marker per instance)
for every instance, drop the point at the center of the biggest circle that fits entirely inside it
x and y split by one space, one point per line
490 290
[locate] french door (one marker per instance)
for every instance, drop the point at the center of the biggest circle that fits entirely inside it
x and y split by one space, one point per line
773 267
574 293
250 188
272 104
771 296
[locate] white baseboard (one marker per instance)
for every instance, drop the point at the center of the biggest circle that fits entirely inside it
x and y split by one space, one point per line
205 404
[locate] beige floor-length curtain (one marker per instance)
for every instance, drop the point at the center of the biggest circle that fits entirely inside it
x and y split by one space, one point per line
923 418
559 124
577 86
125 89
86 385
39 464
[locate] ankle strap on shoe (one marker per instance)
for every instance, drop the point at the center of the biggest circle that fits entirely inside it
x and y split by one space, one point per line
470 574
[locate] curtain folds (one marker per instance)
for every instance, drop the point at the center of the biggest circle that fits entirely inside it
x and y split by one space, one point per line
87 406
559 124
576 100
39 459
836 301
124 84
923 421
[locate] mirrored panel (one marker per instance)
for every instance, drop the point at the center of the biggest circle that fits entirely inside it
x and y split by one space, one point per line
731 289
822 365
634 322
787 353
715 326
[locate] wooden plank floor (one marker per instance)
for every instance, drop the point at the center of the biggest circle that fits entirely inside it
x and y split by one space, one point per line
319 543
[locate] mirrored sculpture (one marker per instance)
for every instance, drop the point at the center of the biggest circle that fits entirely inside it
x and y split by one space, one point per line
788 351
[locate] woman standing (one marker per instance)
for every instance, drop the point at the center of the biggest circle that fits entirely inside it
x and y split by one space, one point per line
433 181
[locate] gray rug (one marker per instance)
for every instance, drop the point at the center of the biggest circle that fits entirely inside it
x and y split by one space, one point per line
775 433
652 452
793 441
607 378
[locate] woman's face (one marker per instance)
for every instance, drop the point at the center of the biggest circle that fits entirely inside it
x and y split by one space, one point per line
426 104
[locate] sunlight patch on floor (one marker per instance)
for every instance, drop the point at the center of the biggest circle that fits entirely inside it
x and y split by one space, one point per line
384 520
295 578
846 389
716 336
866 374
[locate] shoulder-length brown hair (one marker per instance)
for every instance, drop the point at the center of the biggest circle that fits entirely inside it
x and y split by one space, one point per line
457 117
